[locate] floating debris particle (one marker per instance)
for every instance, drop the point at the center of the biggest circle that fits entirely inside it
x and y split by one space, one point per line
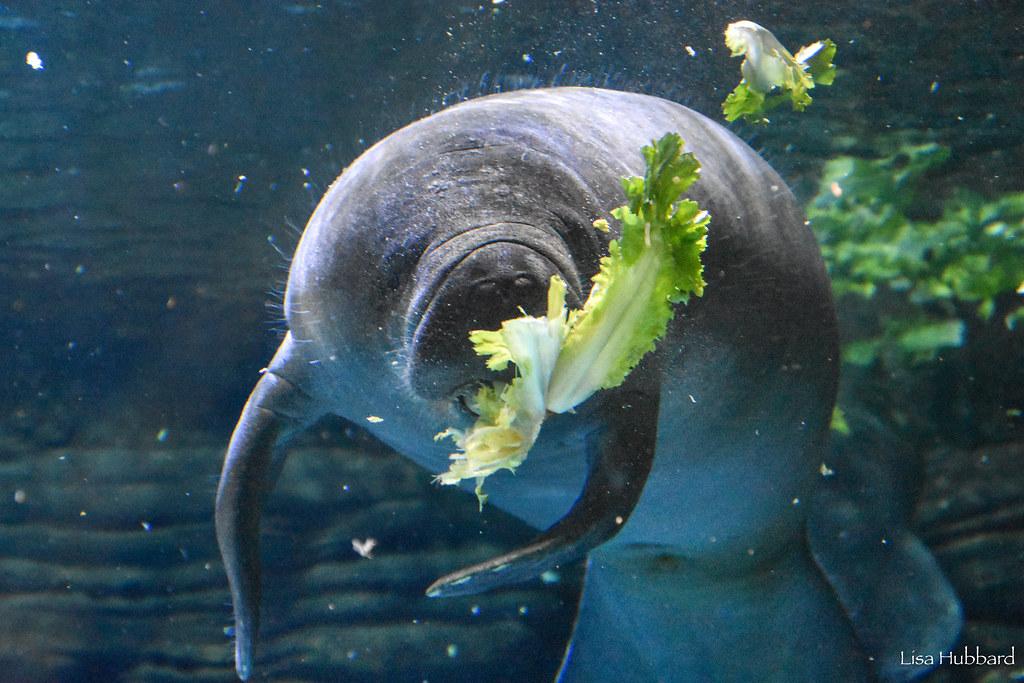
690 51
19 496
364 548
453 650
162 435
826 471
374 419
34 60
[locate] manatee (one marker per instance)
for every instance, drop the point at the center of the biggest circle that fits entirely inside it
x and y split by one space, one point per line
690 489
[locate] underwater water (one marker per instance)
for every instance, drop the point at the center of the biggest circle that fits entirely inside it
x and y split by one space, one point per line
159 161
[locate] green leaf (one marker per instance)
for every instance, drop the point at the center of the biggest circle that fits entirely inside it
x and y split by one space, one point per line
655 263
769 68
818 57
745 103
564 358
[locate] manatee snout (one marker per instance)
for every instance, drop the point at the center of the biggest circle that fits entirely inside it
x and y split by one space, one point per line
488 281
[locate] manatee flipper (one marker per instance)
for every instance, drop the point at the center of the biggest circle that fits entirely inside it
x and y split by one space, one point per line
648 614
891 588
623 452
275 410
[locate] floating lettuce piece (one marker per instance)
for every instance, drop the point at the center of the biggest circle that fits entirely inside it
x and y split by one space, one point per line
771 74
567 356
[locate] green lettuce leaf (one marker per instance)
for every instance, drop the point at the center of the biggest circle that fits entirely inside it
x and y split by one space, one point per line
567 356
771 74
655 263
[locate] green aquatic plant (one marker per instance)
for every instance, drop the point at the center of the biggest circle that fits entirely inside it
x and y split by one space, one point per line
959 261
564 358
772 76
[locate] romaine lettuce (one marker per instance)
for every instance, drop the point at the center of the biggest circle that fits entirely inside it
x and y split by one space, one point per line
565 357
768 66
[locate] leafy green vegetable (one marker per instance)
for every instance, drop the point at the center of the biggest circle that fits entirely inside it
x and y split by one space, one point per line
510 415
565 357
769 67
655 264
968 259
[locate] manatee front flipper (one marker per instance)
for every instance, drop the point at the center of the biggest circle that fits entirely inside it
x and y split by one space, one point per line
891 588
275 410
622 454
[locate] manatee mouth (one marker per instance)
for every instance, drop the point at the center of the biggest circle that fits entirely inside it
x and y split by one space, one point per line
474 280
462 398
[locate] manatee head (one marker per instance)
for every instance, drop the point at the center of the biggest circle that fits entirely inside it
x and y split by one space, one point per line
412 249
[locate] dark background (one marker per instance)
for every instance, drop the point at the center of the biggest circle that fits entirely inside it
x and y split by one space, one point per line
139 278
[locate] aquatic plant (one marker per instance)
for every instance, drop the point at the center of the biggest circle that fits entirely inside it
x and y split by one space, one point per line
949 258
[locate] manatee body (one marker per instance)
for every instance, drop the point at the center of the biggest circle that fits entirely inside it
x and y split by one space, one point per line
688 486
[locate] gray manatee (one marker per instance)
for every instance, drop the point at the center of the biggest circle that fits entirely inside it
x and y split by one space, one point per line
690 488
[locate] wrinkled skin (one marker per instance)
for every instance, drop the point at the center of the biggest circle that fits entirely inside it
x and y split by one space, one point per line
684 485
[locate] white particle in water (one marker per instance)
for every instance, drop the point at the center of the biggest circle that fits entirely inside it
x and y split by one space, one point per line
549 577
34 60
364 548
